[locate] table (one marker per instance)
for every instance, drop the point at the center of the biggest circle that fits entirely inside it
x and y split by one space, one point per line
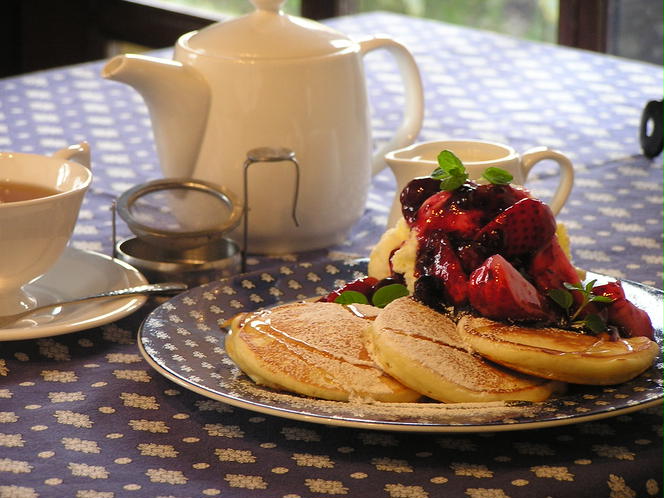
83 415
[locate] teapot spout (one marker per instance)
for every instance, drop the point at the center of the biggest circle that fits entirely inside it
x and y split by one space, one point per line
177 98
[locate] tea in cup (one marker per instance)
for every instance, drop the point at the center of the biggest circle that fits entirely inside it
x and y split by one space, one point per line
420 159
40 198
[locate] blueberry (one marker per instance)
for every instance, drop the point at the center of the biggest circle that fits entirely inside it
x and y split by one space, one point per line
415 193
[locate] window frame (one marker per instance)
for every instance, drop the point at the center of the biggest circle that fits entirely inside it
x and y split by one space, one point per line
583 24
80 30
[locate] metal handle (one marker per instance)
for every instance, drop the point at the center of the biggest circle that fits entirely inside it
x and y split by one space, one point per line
266 155
147 289
162 288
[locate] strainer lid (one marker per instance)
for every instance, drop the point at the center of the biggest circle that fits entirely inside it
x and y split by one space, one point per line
182 212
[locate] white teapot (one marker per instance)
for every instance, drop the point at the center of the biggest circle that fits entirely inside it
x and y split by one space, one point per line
270 79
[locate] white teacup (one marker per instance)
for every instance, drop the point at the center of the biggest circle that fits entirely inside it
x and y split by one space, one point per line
34 232
420 159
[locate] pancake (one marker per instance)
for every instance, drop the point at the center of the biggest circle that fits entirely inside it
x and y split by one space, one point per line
559 354
424 350
315 349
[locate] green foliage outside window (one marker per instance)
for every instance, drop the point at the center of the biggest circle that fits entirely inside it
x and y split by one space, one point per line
533 19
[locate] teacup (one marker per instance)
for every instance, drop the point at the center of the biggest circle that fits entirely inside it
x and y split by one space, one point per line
35 231
420 159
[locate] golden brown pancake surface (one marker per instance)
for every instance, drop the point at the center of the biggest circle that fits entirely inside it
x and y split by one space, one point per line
559 354
312 348
424 350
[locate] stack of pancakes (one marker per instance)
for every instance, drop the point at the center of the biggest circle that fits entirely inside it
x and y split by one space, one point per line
407 350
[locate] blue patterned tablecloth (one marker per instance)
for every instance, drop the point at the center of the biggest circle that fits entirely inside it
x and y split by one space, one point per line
83 415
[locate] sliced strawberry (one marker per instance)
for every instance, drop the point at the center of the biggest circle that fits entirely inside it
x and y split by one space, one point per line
525 226
471 255
436 257
452 212
432 208
494 199
622 313
550 268
612 290
632 320
497 290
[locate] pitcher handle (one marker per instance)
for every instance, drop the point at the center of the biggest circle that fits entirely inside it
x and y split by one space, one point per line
566 181
414 109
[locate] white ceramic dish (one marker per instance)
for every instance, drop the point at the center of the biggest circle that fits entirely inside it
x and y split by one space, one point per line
78 273
182 340
271 79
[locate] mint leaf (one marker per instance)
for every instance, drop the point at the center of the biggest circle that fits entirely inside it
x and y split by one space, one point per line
600 299
594 323
351 297
450 171
497 176
448 161
452 182
388 293
565 299
561 297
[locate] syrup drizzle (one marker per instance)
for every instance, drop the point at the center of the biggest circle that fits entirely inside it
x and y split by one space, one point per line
263 325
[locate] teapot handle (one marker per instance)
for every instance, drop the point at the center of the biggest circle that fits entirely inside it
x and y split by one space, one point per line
414 111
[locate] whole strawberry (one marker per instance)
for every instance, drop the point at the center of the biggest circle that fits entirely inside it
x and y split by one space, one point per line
524 227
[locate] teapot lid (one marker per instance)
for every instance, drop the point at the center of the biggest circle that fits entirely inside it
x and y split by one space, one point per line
268 33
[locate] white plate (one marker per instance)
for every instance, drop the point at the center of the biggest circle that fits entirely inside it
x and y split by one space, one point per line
78 273
182 340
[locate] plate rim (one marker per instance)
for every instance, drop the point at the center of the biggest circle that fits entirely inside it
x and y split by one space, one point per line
114 309
387 425
392 426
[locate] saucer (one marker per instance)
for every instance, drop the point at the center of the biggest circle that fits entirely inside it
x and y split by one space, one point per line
77 273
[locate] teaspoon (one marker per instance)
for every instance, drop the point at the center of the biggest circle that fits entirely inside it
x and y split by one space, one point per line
161 288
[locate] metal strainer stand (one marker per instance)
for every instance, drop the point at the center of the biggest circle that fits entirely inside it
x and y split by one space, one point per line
266 155
167 247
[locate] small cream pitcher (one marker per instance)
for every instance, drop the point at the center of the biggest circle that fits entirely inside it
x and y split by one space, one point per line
420 159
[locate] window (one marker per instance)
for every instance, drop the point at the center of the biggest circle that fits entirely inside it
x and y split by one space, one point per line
35 36
634 29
